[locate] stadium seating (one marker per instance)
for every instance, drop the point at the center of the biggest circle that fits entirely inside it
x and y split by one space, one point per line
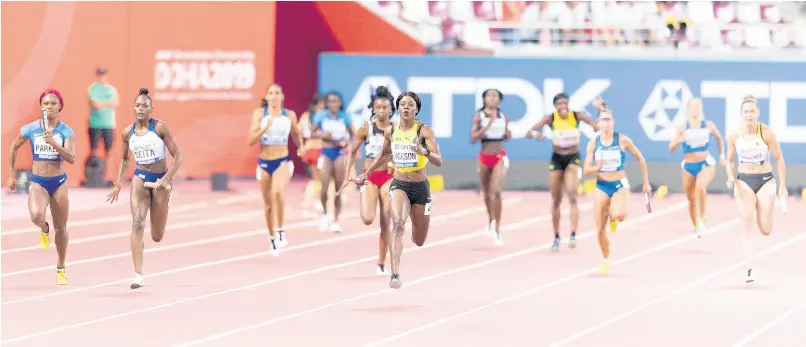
492 24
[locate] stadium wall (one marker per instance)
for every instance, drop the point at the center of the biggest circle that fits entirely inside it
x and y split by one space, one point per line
648 97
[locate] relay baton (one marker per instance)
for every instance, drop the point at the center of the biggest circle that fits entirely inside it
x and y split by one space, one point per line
648 203
154 185
784 206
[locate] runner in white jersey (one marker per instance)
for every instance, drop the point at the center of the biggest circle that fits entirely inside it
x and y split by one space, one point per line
491 127
271 126
754 184
311 151
148 138
371 135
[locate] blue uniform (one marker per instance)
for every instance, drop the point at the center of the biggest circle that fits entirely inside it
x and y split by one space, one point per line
338 127
697 140
613 157
277 135
44 152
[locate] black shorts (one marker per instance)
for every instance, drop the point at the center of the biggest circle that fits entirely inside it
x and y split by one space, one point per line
560 162
97 134
755 181
419 193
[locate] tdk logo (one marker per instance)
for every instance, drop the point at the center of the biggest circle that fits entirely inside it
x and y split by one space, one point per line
665 107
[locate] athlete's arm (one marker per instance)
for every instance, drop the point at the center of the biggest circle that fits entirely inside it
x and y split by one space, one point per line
431 145
360 136
255 131
627 144
586 118
678 138
589 168
729 157
164 131
720 141
507 132
535 131
477 131
12 158
777 154
386 152
68 151
124 158
295 130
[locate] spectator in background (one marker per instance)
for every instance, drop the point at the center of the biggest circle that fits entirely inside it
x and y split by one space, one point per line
103 99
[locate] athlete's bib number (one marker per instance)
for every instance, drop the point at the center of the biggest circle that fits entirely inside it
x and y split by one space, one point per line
45 151
566 138
336 128
275 137
697 137
374 145
497 130
610 157
145 153
403 155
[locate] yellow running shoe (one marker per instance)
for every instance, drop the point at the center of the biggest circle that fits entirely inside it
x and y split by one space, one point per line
604 269
44 237
613 225
61 276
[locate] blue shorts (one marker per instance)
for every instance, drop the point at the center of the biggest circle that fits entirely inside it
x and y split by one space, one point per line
51 184
611 187
332 153
696 167
270 166
148 177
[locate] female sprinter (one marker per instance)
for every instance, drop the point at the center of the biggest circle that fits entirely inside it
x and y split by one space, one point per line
564 166
491 127
311 150
411 145
698 164
754 185
612 187
335 128
147 138
271 125
52 143
371 135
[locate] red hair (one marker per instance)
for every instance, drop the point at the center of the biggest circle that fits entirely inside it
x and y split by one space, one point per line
52 92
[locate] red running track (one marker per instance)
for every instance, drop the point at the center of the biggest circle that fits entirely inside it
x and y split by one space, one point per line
211 281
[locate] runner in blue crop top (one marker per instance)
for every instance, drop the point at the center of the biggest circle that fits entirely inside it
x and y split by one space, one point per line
698 165
335 128
51 145
148 139
612 187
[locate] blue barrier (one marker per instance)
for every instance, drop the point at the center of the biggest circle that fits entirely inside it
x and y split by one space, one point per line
648 97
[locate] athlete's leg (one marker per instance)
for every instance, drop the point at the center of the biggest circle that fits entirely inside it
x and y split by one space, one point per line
279 180
60 211
601 213
690 188
38 201
484 182
159 213
368 202
325 177
339 175
401 208
385 220
494 189
746 202
618 204
703 180
570 184
556 191
140 203
765 205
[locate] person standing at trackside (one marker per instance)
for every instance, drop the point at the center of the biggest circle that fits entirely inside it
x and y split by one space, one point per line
52 143
564 168
103 99
754 184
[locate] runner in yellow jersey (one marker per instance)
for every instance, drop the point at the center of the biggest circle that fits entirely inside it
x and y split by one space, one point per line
565 166
411 145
